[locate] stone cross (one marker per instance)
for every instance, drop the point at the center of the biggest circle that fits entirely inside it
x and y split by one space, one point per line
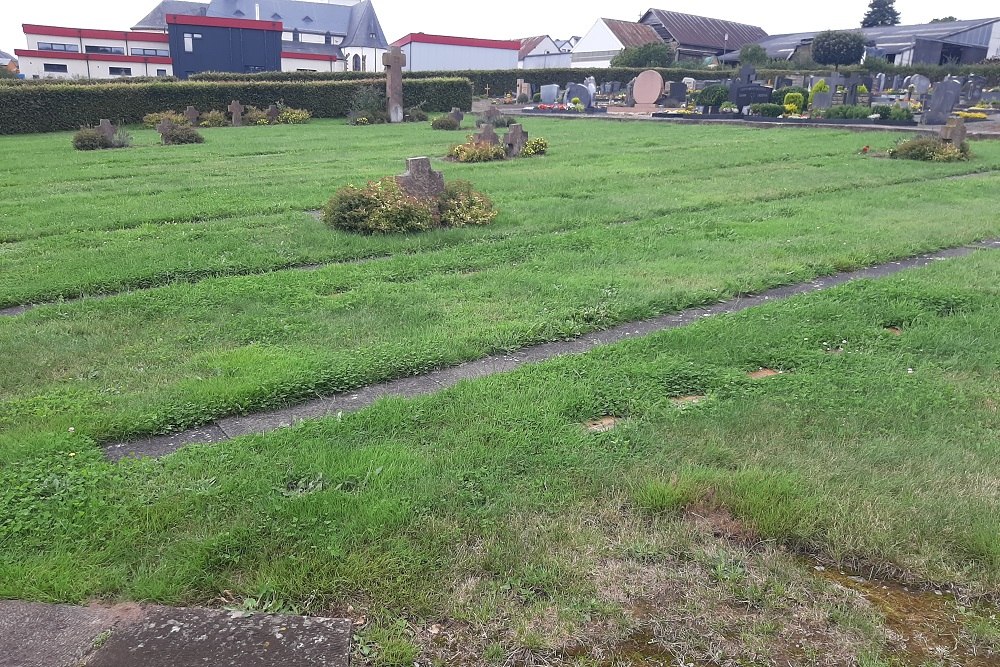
456 115
394 61
515 140
489 117
487 89
272 113
954 132
192 115
236 109
486 135
420 180
106 129
163 127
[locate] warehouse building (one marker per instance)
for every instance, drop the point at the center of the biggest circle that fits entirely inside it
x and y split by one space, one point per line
441 52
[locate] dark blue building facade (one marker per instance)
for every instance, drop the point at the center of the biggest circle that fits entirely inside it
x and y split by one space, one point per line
208 44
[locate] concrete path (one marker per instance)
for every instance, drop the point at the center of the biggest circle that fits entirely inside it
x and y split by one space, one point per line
263 422
41 635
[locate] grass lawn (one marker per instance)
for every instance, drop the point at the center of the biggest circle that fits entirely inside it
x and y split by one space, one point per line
486 524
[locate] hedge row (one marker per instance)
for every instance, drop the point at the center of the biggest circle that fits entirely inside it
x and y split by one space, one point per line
49 108
503 81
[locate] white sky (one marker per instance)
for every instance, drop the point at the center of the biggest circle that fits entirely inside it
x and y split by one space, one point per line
512 18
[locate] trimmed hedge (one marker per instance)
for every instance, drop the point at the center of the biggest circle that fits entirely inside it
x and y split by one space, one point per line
49 108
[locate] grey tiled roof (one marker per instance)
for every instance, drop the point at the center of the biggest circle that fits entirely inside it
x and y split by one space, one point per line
355 23
157 19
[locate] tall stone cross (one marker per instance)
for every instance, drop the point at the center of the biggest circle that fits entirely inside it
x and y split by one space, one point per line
420 180
394 61
192 115
237 110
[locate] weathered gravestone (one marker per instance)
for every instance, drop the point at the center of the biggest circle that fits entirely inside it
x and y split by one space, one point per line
272 113
456 115
921 84
106 129
897 82
163 127
678 92
394 62
879 84
973 89
954 132
237 110
523 90
489 117
574 91
486 135
515 140
420 180
550 94
192 114
822 100
943 101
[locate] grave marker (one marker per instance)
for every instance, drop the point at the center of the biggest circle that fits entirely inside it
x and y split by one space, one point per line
237 110
272 113
954 132
394 62
678 92
550 94
515 140
489 117
486 135
192 115
420 180
106 129
575 90
163 127
943 101
456 115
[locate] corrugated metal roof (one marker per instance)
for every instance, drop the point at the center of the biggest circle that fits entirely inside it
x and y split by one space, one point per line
691 30
632 34
157 19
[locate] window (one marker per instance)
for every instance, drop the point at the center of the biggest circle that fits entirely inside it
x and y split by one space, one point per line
120 71
356 63
161 72
110 50
189 38
56 68
160 53
49 46
305 70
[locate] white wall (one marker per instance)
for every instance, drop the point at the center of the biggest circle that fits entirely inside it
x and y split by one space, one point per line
77 69
550 60
372 58
295 64
994 48
422 57
597 47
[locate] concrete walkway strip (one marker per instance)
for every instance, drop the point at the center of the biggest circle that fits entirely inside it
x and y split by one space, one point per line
264 422
41 635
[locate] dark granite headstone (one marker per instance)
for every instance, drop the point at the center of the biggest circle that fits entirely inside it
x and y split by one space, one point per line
822 100
678 91
942 102
576 90
237 110
747 95
420 180
515 140
897 82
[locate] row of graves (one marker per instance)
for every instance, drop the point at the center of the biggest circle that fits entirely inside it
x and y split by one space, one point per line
832 98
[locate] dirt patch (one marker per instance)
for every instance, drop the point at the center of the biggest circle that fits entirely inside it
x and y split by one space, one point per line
762 373
718 522
602 425
895 331
688 400
924 627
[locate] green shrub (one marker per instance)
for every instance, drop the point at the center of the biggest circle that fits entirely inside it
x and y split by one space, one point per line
381 207
778 96
461 205
120 139
522 98
848 112
473 151
884 111
444 123
899 113
536 98
89 139
151 120
820 86
368 102
415 114
290 116
767 110
213 119
713 96
535 146
796 100
182 134
255 116
930 149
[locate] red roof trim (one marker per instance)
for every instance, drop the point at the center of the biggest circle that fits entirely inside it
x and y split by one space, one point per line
309 56
55 31
505 44
102 57
215 22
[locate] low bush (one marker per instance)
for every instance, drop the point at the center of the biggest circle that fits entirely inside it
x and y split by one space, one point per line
778 96
930 149
820 86
444 123
182 134
213 119
796 100
368 106
713 96
381 207
255 116
501 120
767 110
291 116
89 139
415 114
846 112
887 112
151 120
473 151
461 205
536 98
120 139
972 115
535 146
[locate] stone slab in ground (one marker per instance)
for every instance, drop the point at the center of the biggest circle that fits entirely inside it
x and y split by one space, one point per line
127 635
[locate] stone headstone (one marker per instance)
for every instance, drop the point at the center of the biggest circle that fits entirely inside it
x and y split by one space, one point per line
921 84
192 115
456 115
897 82
973 89
678 91
879 84
489 117
754 94
237 110
106 129
420 180
394 61
690 83
523 89
515 140
748 74
591 85
648 87
163 127
574 90
782 82
954 132
272 113
550 94
616 86
822 100
486 135
942 102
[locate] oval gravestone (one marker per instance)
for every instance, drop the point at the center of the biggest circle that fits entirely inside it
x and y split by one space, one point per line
574 90
648 87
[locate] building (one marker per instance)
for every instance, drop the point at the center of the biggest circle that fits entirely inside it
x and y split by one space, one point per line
960 42
8 62
234 36
543 52
607 39
699 37
440 53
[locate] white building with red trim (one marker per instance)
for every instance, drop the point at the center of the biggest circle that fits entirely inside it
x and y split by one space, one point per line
63 53
442 53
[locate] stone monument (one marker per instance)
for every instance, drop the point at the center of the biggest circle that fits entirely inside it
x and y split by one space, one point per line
394 61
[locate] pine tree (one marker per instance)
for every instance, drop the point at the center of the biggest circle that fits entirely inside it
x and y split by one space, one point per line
880 12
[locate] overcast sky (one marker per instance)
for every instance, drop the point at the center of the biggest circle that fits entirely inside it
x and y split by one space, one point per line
512 18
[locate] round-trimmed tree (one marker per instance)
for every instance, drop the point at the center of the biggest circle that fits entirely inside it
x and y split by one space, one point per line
838 47
753 54
880 12
655 54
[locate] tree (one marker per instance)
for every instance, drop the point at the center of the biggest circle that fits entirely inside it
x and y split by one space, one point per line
6 73
946 19
654 54
880 12
753 54
838 47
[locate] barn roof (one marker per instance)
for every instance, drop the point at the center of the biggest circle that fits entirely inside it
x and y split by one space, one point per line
692 30
632 34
